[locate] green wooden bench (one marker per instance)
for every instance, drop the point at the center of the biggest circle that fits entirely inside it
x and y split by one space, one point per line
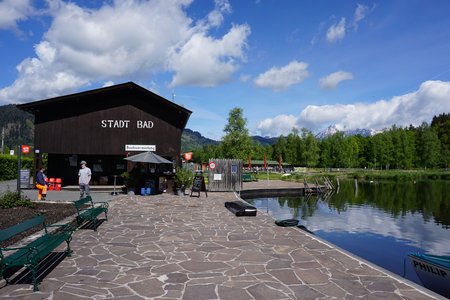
88 211
31 254
248 177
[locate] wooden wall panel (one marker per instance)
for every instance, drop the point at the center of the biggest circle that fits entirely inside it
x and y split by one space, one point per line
93 133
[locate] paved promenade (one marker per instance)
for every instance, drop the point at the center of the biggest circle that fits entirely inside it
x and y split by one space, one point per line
178 247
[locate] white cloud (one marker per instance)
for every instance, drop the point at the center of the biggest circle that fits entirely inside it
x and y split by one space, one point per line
336 32
205 61
13 11
281 78
332 80
108 83
215 17
245 78
126 40
281 124
413 108
360 13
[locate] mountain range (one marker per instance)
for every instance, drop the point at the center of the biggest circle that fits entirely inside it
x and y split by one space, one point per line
332 129
193 139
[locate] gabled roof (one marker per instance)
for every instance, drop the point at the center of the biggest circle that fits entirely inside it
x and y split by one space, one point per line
103 98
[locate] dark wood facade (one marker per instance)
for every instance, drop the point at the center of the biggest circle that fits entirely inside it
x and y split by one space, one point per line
97 125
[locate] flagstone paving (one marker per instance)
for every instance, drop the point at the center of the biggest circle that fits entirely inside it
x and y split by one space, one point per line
178 247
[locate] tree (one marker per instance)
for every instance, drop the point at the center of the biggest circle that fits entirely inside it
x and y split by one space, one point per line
206 152
236 143
310 148
279 148
428 146
325 159
382 150
292 145
360 150
441 124
258 151
403 145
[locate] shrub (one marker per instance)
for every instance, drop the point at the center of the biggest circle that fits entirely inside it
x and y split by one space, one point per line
184 177
14 199
8 166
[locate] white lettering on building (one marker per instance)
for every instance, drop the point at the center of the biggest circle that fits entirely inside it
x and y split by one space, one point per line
126 124
115 123
144 124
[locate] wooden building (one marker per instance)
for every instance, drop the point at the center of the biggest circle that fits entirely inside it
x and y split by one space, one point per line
103 126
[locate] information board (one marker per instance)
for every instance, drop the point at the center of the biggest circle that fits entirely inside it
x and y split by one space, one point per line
199 185
24 178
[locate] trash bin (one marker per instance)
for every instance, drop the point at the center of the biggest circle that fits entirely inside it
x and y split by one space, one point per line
58 184
51 184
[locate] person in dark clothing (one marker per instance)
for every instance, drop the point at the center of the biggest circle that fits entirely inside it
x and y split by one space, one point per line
41 185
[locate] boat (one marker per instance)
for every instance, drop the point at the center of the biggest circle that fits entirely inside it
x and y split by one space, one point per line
433 271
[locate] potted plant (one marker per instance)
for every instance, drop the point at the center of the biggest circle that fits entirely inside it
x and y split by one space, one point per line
125 176
183 180
130 180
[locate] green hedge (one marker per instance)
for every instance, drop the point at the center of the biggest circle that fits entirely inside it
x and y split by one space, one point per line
8 166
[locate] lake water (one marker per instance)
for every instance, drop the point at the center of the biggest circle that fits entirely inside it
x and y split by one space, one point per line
378 221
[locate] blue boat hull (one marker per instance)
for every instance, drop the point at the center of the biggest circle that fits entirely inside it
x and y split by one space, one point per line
433 271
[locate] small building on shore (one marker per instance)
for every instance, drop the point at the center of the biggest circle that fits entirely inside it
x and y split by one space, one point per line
102 127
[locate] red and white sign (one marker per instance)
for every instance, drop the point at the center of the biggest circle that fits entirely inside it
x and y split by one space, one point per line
25 149
188 156
212 165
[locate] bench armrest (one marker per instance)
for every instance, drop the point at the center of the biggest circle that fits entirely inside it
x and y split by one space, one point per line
66 227
104 204
17 248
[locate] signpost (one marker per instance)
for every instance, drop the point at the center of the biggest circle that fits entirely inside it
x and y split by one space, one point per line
19 151
233 176
23 176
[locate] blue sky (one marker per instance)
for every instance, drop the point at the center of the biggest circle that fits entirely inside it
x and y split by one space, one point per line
290 63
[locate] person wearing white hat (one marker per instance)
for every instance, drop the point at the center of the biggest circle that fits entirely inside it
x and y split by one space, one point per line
84 177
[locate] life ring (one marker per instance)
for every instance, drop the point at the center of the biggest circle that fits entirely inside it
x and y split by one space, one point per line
287 222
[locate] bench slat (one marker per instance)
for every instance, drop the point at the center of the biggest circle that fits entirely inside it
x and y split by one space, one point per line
7 233
83 201
43 245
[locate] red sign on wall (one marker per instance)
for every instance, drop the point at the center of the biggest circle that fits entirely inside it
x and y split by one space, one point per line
188 156
25 149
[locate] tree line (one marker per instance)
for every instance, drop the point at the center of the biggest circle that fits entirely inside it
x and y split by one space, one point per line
424 146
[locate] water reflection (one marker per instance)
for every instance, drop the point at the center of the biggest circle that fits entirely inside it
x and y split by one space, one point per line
380 222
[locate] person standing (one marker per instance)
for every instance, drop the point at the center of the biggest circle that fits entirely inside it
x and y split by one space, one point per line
84 177
41 185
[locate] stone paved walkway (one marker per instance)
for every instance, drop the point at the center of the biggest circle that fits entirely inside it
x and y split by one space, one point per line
172 247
